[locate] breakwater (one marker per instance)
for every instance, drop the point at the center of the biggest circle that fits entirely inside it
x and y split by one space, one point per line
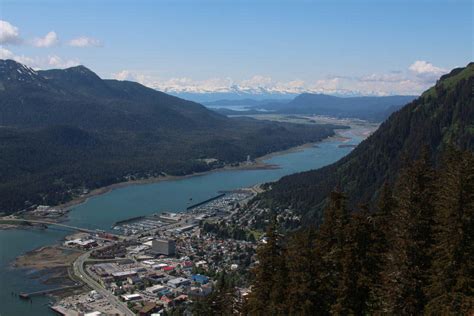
205 201
128 220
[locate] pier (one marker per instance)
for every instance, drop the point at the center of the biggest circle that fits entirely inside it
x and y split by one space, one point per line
205 201
26 296
128 220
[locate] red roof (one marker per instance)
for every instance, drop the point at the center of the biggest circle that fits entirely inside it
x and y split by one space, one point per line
168 268
182 297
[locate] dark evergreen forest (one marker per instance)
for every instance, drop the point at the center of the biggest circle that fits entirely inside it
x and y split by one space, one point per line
411 254
64 131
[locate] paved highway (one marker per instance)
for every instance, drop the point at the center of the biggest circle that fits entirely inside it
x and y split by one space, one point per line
35 221
22 220
80 273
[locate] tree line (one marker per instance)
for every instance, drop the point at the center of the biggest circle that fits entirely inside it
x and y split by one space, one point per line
441 117
410 254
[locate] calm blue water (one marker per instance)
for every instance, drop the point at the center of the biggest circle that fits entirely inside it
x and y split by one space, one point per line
12 244
102 211
230 107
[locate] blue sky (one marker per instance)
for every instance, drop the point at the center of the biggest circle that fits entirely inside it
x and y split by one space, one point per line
367 47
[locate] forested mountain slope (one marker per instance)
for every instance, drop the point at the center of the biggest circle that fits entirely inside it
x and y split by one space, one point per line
442 115
409 254
77 96
63 131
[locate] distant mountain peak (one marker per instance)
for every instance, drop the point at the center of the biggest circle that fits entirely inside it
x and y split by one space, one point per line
11 70
71 74
81 70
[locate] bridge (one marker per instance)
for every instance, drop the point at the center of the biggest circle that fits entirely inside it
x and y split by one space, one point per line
43 222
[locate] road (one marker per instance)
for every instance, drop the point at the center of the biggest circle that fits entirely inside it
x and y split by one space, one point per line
35 221
81 274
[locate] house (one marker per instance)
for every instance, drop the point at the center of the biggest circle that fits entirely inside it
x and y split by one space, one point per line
131 297
180 299
166 300
155 289
134 279
179 282
168 269
156 278
159 266
200 290
122 275
199 278
148 309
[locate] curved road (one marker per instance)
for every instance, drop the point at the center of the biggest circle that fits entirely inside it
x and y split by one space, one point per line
81 274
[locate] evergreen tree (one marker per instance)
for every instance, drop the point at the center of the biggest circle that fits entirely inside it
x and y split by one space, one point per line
452 277
408 260
303 274
382 220
413 255
385 205
269 287
330 247
361 266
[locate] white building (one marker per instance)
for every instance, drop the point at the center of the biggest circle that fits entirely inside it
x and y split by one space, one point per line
178 282
131 297
155 289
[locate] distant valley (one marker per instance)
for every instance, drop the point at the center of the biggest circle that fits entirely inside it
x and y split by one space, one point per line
68 131
373 109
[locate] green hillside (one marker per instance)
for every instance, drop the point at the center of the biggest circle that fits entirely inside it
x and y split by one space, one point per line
63 131
443 115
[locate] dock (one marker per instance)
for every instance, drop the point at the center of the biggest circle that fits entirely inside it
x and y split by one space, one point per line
128 220
205 201
26 296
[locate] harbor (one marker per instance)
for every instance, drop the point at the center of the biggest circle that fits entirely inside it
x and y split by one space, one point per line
100 212
215 207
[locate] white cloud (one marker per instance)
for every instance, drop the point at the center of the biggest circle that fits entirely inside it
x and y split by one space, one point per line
425 71
424 67
84 41
50 39
57 62
124 75
413 81
52 61
9 34
391 77
182 84
6 54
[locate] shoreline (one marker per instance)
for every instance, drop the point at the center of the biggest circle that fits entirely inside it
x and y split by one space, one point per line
103 190
257 164
55 271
